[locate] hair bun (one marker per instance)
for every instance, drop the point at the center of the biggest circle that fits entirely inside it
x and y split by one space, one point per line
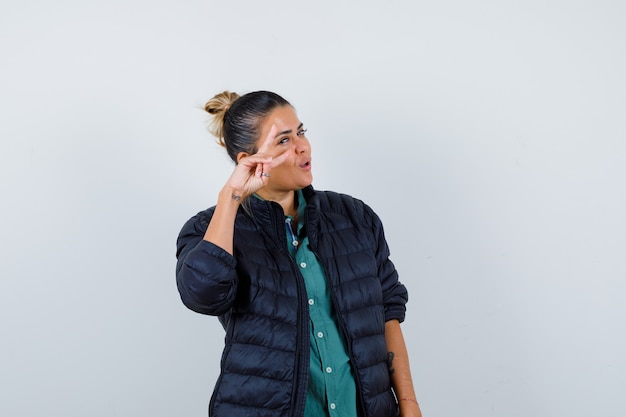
217 107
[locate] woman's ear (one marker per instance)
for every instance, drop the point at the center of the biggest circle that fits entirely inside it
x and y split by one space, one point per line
241 155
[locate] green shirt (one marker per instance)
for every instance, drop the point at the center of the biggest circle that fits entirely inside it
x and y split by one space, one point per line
332 389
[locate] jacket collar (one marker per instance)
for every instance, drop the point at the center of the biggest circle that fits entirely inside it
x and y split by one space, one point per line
269 215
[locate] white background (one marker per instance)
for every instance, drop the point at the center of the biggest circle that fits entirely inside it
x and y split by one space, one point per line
488 135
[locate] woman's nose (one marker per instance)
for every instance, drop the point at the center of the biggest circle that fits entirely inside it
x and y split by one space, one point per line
302 146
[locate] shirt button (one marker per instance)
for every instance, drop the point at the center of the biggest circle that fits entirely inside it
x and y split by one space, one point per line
303 264
332 406
329 370
320 334
311 302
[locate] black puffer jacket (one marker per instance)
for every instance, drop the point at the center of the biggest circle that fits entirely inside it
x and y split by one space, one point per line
260 298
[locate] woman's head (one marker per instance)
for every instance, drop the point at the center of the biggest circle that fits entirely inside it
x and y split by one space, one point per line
237 119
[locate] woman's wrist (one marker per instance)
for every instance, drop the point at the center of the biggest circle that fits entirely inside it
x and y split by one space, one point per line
410 399
230 195
409 407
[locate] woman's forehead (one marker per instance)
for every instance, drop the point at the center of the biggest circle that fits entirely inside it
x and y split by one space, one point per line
284 116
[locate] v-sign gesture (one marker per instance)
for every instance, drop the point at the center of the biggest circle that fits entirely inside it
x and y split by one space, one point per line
253 172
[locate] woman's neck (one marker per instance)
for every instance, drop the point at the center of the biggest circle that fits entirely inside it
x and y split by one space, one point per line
286 201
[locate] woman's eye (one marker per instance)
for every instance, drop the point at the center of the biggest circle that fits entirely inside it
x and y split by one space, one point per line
301 132
283 140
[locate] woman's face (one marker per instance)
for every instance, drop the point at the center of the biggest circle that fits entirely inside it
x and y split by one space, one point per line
282 132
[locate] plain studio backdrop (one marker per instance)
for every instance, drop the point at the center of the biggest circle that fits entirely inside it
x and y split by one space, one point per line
489 136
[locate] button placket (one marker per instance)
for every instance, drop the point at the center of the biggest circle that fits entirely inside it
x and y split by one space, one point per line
332 372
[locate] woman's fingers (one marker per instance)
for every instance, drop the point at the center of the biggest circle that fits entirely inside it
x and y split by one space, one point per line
271 162
277 160
268 141
253 171
248 175
259 169
252 160
267 163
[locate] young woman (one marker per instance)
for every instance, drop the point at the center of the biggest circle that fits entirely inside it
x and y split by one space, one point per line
300 279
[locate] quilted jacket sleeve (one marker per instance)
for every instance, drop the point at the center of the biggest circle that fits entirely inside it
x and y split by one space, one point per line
395 294
205 273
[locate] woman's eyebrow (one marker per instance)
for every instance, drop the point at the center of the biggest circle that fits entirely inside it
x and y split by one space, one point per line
286 132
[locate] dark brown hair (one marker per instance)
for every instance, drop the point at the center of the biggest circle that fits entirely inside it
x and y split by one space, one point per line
237 119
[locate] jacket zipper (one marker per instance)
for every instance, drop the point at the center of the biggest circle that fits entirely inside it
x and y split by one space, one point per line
298 395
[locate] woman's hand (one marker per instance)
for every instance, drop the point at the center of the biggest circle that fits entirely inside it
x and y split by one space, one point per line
401 375
250 175
253 172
